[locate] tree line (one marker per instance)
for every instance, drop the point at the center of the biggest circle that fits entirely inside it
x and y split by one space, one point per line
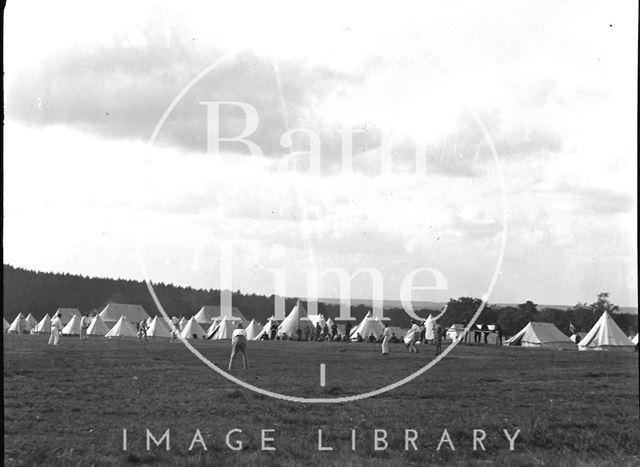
40 293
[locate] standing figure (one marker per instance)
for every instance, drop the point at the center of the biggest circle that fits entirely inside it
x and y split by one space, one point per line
477 335
84 324
465 338
437 336
485 332
142 330
56 328
239 344
347 331
414 336
498 335
386 338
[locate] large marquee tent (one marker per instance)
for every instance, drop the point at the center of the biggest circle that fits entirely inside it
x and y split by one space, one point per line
112 313
537 334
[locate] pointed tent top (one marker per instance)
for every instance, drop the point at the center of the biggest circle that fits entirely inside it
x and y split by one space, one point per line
605 334
253 330
224 330
97 327
73 326
158 328
192 330
123 328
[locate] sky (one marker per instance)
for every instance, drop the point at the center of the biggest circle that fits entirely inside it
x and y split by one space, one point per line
439 134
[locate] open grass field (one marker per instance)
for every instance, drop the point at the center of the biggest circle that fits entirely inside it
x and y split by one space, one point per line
69 405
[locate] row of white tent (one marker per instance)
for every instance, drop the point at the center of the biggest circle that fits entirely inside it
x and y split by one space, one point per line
156 327
604 335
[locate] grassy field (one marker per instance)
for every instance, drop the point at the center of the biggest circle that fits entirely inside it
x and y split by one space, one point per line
69 405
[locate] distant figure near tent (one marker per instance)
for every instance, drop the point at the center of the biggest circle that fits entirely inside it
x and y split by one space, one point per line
84 324
239 344
385 340
17 325
437 336
56 329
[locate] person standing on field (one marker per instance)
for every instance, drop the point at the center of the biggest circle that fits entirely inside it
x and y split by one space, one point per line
239 344
386 337
414 335
84 324
56 329
437 336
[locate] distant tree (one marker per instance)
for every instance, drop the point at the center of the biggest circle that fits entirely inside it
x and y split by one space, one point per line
529 308
603 304
460 309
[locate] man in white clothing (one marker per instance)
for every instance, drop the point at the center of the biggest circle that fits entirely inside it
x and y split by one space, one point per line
56 329
84 324
386 338
239 344
414 332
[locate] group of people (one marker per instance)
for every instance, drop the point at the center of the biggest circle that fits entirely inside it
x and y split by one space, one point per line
481 334
57 326
415 334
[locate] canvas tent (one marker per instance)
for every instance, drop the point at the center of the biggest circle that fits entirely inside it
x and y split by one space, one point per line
30 322
212 328
44 326
317 319
66 314
368 326
266 330
635 339
208 313
182 322
223 330
605 335
158 328
5 325
72 327
291 323
114 311
18 321
545 335
97 327
192 330
253 330
123 328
